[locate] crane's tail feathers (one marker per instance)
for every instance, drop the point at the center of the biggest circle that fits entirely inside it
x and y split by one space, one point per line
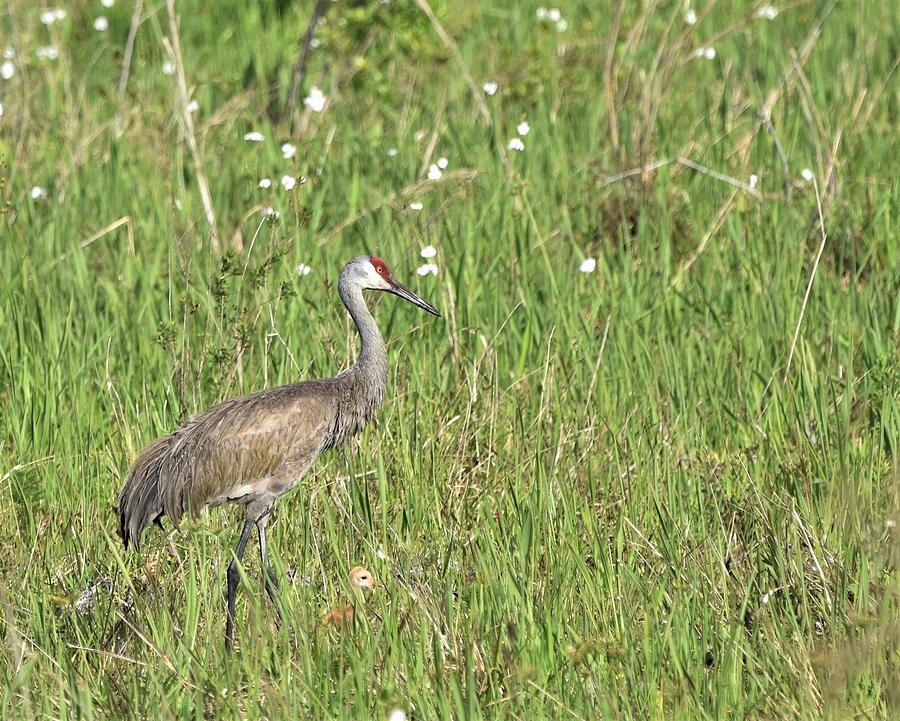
140 500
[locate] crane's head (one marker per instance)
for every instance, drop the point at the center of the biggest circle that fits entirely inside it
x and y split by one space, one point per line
361 578
369 272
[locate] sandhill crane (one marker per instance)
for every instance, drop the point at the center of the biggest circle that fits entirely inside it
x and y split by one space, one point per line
360 579
253 449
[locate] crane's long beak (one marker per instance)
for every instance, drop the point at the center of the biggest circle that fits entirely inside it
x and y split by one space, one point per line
407 294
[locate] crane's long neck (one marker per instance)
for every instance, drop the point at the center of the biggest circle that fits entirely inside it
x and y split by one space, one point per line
366 382
372 360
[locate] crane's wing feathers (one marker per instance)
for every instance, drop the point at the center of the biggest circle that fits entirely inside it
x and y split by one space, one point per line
243 440
259 441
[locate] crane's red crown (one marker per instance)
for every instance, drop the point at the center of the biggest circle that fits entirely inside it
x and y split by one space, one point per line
380 266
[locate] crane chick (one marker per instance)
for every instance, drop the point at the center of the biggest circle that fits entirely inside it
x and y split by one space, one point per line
341 617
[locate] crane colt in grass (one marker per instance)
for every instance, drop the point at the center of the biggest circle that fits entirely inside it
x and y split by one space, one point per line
253 449
342 616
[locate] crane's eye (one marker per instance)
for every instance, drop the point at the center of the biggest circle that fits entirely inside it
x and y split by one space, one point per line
380 270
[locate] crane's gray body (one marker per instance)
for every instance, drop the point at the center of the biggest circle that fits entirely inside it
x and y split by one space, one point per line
252 449
248 450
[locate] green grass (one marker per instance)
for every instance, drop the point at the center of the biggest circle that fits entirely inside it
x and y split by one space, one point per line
587 496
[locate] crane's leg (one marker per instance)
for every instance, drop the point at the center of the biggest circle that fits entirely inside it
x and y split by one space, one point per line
269 581
233 577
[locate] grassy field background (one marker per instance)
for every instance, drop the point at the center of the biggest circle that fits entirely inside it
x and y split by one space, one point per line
664 489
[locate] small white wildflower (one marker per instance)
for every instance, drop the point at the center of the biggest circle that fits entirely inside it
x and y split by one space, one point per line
38 193
392 152
48 52
315 101
523 128
270 213
288 150
254 137
225 691
807 174
9 54
59 14
107 3
398 714
416 206
7 69
168 68
265 183
754 180
382 556
768 12
541 13
516 144
427 269
690 17
554 15
442 163
765 598
434 172
48 17
490 87
289 182
315 43
588 265
420 134
429 251
890 523
303 269
562 25
193 106
101 24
